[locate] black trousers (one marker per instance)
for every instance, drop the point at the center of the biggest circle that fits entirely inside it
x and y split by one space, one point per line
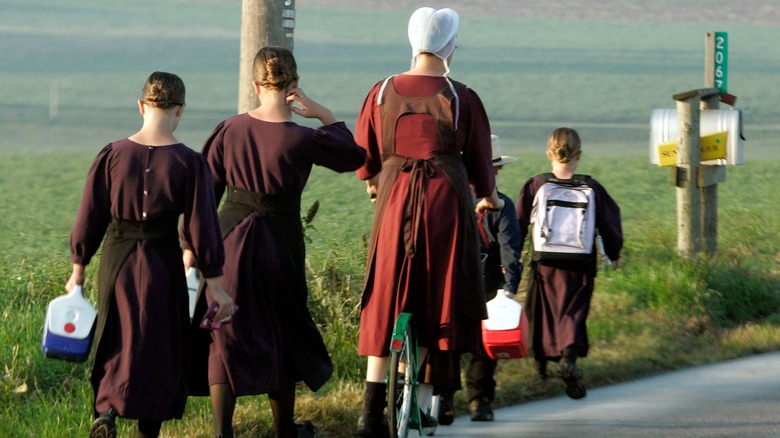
480 384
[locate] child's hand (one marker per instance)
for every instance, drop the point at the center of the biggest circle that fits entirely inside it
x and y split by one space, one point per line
77 277
215 292
302 105
189 260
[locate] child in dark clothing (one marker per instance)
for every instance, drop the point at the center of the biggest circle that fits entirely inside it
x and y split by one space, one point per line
559 292
500 243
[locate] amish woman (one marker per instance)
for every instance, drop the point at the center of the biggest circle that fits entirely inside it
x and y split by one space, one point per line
136 190
427 139
263 159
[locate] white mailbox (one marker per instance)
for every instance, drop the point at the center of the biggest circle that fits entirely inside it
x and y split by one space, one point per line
664 130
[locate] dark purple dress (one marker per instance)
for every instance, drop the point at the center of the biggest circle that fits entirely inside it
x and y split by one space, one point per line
137 194
272 340
559 293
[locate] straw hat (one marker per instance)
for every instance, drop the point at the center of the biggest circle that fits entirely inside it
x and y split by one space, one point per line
498 159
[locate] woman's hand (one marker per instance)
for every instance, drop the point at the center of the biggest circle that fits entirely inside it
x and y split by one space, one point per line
215 292
491 203
302 105
371 187
77 277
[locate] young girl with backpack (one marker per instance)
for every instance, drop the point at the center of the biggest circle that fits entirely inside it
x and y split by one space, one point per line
561 284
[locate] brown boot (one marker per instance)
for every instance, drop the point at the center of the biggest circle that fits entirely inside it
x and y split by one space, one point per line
572 377
104 426
480 410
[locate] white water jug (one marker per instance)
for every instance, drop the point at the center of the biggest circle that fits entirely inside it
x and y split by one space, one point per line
193 284
69 327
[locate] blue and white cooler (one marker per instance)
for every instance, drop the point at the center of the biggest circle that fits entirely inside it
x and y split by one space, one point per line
69 327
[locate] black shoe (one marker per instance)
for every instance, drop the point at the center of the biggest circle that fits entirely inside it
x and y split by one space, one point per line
370 426
104 426
428 421
306 430
480 410
572 377
446 409
427 426
541 369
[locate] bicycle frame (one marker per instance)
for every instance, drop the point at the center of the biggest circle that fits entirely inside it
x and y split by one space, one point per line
404 365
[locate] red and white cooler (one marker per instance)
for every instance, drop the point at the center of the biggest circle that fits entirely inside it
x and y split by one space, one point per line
505 332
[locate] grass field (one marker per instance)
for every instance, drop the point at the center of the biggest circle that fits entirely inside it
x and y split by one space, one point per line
657 313
532 75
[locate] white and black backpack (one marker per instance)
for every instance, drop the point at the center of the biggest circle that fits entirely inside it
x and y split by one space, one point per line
563 219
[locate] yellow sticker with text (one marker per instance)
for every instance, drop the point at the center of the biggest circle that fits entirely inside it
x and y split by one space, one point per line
713 147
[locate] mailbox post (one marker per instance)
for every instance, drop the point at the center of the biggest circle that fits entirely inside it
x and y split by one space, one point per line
688 175
696 172
715 75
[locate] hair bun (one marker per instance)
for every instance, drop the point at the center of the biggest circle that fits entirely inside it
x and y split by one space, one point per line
163 90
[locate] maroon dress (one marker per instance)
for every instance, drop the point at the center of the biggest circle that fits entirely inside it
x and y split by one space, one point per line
559 293
423 256
263 167
134 196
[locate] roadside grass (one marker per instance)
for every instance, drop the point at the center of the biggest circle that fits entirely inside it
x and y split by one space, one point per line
657 313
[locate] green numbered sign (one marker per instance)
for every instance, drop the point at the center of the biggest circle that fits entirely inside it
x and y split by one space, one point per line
721 61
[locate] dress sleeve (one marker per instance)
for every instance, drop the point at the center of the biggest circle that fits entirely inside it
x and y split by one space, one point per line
214 152
367 135
337 148
94 213
525 201
474 134
608 221
200 225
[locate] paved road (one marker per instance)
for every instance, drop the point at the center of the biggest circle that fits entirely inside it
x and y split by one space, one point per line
738 398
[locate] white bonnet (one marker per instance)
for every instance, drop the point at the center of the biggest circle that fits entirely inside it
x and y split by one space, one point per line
433 31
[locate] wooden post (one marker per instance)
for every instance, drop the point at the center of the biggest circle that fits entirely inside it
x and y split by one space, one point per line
709 178
689 177
263 23
710 175
688 157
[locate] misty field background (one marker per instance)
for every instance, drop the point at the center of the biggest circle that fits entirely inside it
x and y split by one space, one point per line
534 72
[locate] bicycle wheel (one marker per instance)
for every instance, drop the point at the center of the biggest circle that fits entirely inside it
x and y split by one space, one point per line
401 377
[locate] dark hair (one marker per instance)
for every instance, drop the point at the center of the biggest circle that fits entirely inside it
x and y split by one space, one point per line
275 68
564 144
163 90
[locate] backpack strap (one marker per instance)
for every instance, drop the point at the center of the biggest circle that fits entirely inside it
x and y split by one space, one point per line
577 179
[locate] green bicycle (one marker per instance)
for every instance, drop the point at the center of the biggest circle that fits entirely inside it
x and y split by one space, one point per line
402 381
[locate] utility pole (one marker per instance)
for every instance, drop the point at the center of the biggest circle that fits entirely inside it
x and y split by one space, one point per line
263 23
